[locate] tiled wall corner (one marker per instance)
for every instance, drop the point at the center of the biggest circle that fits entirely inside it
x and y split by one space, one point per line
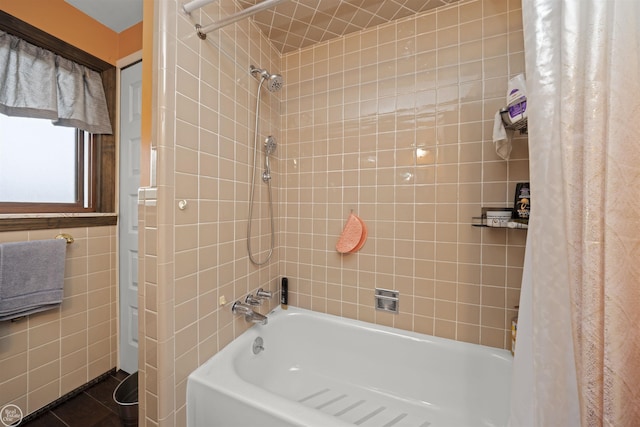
395 123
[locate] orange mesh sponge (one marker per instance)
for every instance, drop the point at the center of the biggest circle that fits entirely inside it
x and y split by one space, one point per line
351 235
363 238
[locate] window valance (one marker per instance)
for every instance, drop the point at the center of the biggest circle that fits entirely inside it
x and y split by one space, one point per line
37 83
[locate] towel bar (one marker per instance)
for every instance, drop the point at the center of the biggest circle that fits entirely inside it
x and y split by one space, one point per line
65 236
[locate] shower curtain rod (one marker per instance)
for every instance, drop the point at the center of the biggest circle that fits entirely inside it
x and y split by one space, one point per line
250 11
195 4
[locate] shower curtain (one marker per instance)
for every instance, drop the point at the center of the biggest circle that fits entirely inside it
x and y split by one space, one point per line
577 356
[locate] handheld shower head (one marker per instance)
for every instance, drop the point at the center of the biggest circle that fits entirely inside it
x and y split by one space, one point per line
274 81
270 145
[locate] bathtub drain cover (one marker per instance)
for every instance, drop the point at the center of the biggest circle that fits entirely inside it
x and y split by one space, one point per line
258 345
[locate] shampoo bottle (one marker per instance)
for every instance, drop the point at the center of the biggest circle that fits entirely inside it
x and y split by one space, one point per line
514 332
517 99
284 293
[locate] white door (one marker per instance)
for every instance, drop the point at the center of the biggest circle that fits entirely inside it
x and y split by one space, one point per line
130 129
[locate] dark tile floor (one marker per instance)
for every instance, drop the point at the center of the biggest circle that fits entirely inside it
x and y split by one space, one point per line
92 408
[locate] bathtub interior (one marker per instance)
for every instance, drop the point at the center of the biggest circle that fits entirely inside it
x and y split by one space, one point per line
367 375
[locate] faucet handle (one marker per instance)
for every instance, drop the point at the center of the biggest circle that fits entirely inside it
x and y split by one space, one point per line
240 308
261 293
251 300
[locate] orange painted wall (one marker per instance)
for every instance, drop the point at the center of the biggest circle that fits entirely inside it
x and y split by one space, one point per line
147 93
67 23
130 40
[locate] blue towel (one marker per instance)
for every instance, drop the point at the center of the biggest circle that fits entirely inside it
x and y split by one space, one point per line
31 277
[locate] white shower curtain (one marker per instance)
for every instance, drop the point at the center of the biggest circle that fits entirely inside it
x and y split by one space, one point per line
578 351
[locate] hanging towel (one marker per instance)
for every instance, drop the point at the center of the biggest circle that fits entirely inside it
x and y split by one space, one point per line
31 277
501 137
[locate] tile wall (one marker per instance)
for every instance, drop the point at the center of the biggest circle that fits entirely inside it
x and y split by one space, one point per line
395 123
48 354
204 113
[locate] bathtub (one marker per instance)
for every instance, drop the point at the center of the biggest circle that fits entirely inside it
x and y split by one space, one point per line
320 370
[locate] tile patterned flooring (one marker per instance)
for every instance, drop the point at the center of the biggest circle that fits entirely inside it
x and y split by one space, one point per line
92 408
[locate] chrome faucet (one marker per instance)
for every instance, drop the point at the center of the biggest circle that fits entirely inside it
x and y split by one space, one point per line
251 300
247 311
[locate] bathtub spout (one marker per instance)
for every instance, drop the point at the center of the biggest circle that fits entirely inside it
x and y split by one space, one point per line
248 313
257 318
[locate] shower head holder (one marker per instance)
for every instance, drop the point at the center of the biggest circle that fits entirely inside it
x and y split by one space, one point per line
274 81
261 72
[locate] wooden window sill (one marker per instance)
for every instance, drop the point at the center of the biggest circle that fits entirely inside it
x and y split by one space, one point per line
42 221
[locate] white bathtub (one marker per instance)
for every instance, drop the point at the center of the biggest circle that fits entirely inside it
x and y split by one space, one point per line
322 370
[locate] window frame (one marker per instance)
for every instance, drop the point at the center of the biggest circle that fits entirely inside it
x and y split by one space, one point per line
103 146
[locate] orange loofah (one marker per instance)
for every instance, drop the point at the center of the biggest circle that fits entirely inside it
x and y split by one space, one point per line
351 235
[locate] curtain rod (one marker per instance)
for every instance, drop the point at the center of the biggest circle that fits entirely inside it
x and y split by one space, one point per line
195 4
250 11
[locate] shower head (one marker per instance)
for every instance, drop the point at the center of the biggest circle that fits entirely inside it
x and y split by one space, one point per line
274 81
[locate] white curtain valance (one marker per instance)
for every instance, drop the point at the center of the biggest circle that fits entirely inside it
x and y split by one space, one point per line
37 83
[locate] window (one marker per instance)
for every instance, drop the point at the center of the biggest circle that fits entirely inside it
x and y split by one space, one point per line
44 168
93 182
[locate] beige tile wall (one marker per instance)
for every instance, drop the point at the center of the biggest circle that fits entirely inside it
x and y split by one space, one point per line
203 133
48 354
395 123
